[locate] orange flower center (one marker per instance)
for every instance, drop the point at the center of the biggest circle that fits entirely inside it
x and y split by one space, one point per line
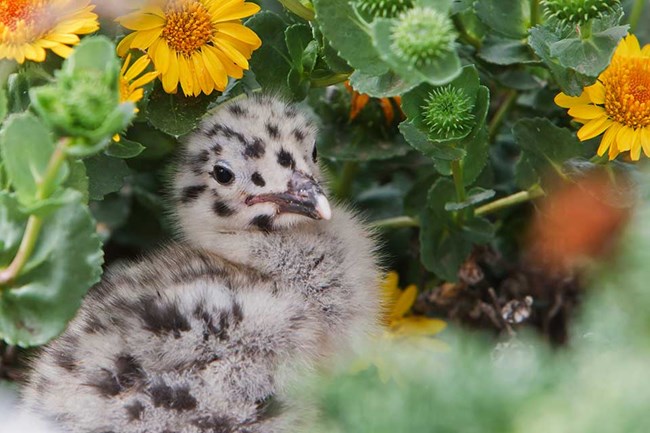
188 26
627 95
13 11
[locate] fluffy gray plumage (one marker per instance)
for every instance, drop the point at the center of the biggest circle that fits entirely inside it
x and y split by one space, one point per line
207 334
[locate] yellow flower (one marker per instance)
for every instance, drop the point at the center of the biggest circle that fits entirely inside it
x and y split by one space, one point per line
360 100
130 84
198 43
29 27
397 305
618 105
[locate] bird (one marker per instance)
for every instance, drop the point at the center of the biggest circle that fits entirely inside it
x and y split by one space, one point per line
265 284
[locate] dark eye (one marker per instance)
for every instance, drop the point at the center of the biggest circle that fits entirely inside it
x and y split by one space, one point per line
314 154
223 175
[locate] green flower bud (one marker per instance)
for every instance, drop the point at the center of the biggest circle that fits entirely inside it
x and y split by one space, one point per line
422 35
448 112
578 11
383 8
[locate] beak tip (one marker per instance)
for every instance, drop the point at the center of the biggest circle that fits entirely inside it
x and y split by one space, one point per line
323 207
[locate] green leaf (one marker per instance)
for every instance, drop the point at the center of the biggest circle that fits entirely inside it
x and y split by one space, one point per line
504 51
78 180
106 175
440 71
545 148
297 37
510 18
380 86
26 148
95 52
17 93
336 63
348 35
421 142
271 62
65 263
355 144
443 248
588 56
3 104
124 148
176 114
474 197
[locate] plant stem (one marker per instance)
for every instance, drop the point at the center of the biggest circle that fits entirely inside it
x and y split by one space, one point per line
344 184
635 14
299 9
395 223
499 116
457 173
502 203
44 189
534 12
329 80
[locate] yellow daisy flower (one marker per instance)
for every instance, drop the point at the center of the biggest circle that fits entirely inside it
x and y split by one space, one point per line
197 43
29 27
397 305
618 105
130 84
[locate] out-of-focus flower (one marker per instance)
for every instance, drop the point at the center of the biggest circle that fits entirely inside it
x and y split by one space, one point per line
197 43
397 306
360 100
422 35
618 105
30 27
578 11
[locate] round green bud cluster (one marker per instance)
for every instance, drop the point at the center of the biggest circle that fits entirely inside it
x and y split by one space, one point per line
88 99
577 11
383 8
422 35
448 112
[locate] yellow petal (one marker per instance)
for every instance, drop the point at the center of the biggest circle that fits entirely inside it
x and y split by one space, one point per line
143 39
596 93
63 38
608 138
635 146
566 101
185 76
594 128
201 73
630 46
62 50
215 69
231 69
161 56
644 137
125 44
140 21
231 52
137 68
125 64
625 138
170 78
587 111
404 302
241 32
235 12
418 326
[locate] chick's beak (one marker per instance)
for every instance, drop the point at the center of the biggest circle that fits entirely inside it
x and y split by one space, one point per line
303 196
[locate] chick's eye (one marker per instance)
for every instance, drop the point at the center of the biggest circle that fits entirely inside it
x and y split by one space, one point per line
314 154
223 175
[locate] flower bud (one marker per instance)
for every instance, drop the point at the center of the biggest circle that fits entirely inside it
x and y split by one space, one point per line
422 35
448 112
383 8
578 11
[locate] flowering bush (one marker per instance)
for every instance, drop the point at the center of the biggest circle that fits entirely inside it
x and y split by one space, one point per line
441 120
